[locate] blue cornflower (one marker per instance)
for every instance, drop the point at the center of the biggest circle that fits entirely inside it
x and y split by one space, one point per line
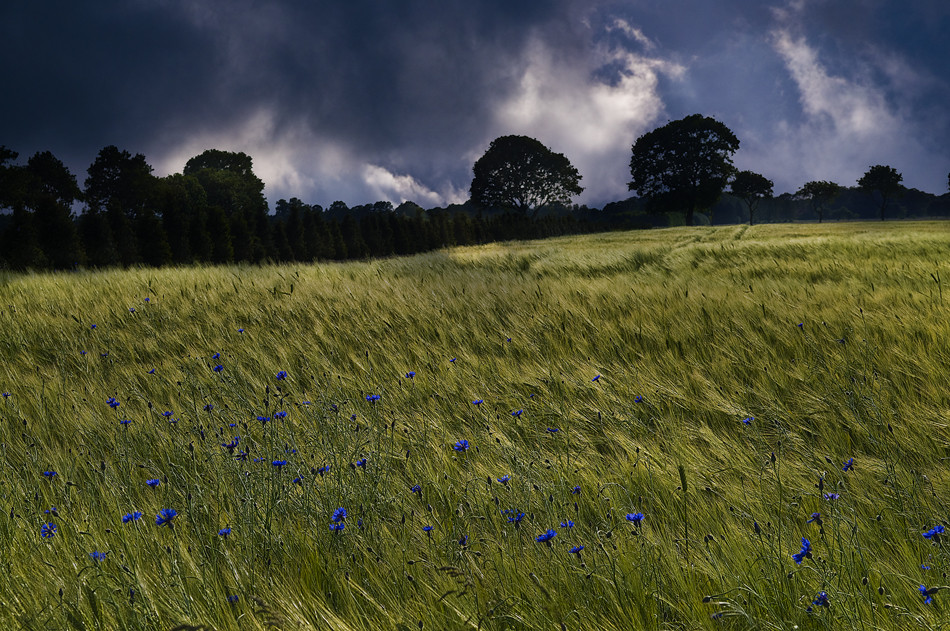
576 490
240 330
241 456
339 515
153 483
137 515
416 489
453 360
848 464
372 398
801 325
218 368
748 420
263 419
49 474
298 480
168 413
165 517
233 599
514 517
926 593
463 540
324 469
48 531
638 399
815 517
281 375
821 599
224 532
361 463
94 326
152 371
576 550
553 430
567 524
933 532
832 496
504 479
82 353
410 374
545 537
517 413
477 402
636 518
461 445
124 421
131 309
279 463
231 445
112 402
804 552
280 414
7 395
427 529
51 511
596 378
208 407
97 556
216 356
337 527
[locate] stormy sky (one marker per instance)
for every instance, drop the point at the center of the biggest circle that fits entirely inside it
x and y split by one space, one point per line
363 100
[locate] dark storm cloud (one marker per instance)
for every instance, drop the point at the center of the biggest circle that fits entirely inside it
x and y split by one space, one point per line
373 99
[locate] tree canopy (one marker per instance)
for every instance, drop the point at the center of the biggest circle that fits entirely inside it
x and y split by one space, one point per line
521 173
683 165
751 188
818 193
883 180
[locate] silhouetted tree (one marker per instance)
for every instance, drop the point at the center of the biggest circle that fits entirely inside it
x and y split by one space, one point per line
751 188
353 238
181 201
121 186
219 232
230 184
50 191
683 165
883 180
520 173
818 194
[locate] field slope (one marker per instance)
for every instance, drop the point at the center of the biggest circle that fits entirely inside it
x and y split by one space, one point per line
621 431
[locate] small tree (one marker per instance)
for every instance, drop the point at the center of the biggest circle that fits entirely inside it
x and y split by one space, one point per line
885 181
521 173
751 188
684 165
818 194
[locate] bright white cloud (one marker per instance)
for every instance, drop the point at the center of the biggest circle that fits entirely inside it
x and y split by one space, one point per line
294 162
563 104
632 32
401 188
855 110
848 123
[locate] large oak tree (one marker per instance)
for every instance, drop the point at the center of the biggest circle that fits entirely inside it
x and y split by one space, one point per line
520 173
684 165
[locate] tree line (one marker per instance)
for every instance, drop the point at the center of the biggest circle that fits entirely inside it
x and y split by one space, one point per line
214 211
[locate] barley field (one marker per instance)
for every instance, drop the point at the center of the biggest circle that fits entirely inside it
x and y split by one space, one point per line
691 428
